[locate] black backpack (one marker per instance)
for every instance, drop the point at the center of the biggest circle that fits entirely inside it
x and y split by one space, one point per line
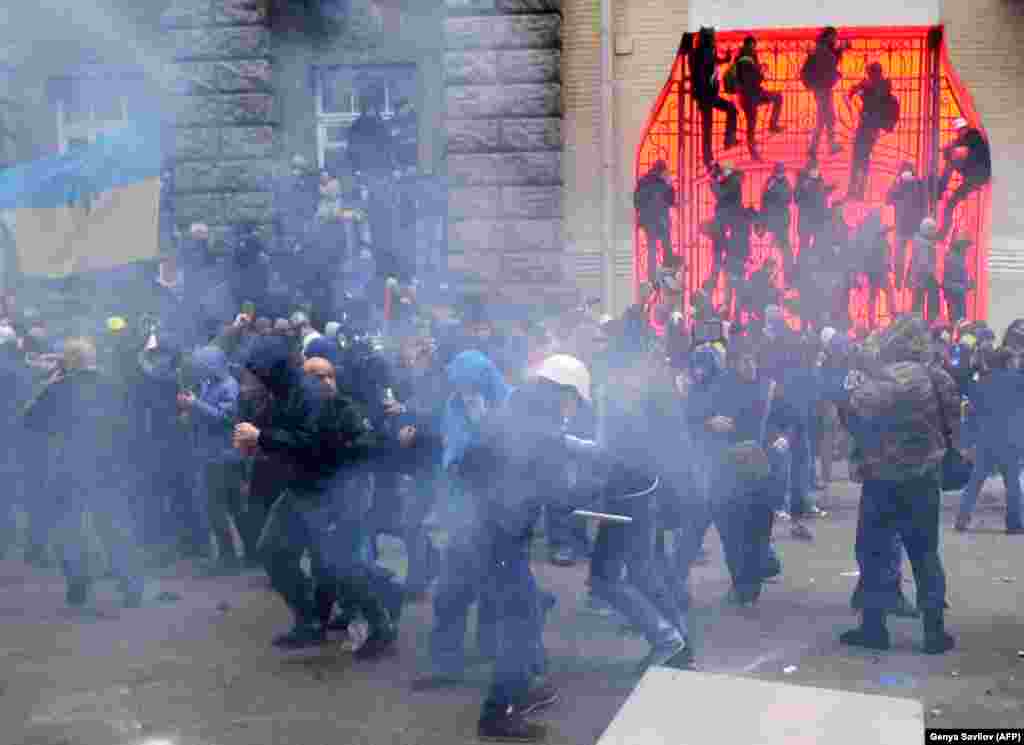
889 112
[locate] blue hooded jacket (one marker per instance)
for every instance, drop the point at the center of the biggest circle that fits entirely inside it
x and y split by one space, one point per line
216 406
473 369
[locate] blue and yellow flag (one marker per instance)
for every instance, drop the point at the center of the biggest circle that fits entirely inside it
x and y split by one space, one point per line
90 210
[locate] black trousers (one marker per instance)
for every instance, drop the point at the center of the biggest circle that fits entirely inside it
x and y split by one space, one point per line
910 510
707 110
655 233
750 107
825 120
863 145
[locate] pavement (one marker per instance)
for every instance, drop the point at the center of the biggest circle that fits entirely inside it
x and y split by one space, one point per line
194 666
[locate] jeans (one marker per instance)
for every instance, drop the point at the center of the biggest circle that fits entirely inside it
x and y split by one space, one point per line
909 510
707 109
644 597
1007 461
964 190
337 549
825 120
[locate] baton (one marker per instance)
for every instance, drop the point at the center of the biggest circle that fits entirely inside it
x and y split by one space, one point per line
604 516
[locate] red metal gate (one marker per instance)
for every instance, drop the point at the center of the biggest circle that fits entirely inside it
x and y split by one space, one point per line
931 98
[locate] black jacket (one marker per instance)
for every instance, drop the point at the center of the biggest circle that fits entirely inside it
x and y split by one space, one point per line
749 76
652 199
812 199
777 196
910 200
874 95
703 62
977 166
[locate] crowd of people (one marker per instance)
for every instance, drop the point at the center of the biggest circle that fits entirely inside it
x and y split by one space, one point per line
831 258
270 443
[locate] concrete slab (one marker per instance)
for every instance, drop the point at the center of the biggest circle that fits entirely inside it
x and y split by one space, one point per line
670 707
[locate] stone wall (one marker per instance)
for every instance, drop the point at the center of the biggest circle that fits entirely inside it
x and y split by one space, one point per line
503 98
227 115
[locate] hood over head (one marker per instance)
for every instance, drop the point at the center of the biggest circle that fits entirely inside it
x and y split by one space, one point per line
475 369
271 362
210 362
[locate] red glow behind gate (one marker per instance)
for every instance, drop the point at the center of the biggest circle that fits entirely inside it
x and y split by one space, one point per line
931 99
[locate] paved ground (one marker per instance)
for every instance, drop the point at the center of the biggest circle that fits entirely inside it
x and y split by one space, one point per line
198 670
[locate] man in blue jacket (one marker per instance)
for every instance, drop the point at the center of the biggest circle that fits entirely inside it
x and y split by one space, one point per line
212 410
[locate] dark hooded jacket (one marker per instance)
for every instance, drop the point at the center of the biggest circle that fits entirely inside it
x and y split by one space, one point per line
977 167
518 461
305 428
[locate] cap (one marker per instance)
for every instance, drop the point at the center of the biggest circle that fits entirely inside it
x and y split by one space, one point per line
567 371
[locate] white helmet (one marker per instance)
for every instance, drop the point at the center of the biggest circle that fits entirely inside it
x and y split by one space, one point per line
568 371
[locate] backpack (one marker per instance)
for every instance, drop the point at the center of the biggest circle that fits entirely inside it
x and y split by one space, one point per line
889 112
815 74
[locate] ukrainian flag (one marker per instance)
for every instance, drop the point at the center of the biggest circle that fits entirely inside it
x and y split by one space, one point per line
91 210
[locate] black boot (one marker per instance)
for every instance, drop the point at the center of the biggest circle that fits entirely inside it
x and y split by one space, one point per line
936 640
507 724
872 633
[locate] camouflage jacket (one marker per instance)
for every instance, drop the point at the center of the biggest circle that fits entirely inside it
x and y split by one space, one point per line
900 432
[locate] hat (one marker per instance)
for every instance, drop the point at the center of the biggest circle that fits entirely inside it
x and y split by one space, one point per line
116 324
567 371
325 349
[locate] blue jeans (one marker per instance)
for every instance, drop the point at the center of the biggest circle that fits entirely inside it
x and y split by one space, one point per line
1007 461
494 568
644 598
338 549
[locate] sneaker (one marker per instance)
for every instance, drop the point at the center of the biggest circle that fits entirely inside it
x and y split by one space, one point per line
663 651
379 644
509 726
77 593
962 523
539 697
859 637
563 557
301 637
682 660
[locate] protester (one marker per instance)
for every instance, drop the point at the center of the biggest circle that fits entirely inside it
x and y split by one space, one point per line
820 74
879 112
750 76
78 409
703 61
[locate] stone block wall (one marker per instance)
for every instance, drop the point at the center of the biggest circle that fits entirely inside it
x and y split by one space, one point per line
227 143
503 98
